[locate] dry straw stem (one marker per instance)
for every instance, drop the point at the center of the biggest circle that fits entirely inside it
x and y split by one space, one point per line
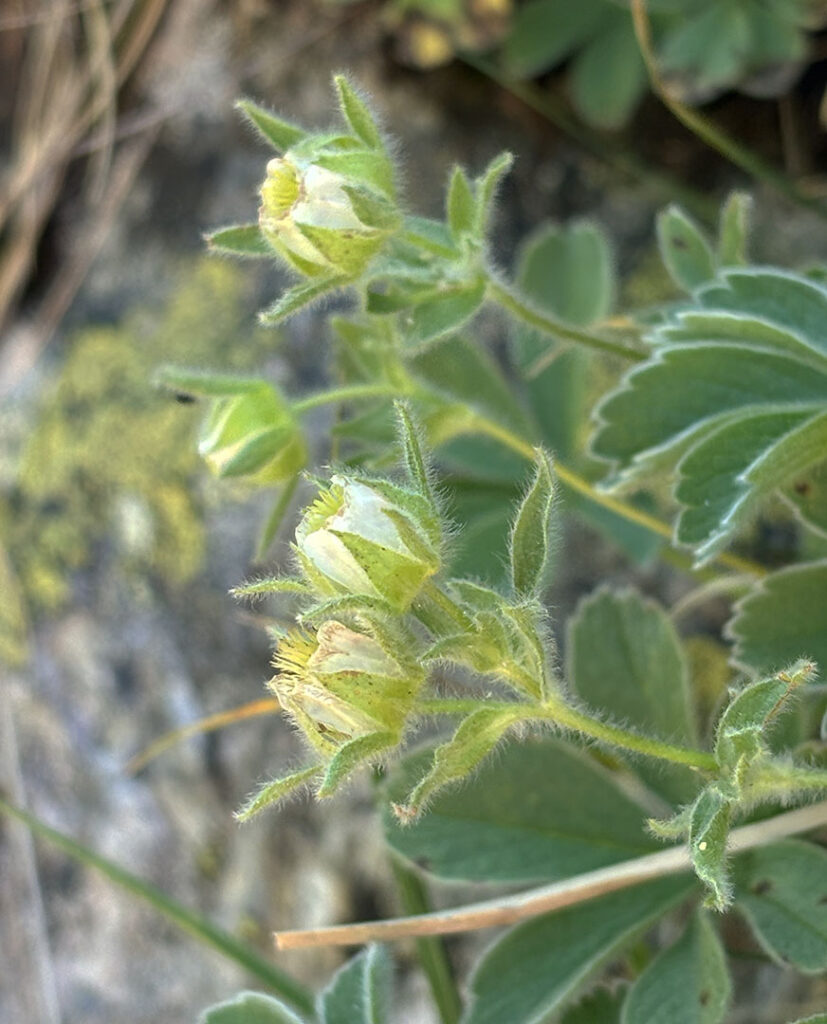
579 889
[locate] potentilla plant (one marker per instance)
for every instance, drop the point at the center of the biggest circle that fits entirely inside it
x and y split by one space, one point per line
436 570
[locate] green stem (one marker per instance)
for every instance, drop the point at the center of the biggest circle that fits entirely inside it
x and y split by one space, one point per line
776 779
190 922
533 317
347 393
431 950
458 705
556 710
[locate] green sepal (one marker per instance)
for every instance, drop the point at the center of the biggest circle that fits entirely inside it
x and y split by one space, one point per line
412 452
272 792
529 534
486 191
350 755
257 451
270 585
684 250
367 167
348 604
357 114
206 385
460 206
475 738
280 134
297 298
244 240
733 233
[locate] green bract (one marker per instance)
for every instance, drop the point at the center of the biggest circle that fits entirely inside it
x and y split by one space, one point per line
369 538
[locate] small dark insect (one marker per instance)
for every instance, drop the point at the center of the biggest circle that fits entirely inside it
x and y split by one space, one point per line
802 487
703 998
183 398
678 242
761 888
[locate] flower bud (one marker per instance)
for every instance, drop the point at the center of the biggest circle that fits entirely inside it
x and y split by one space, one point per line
254 435
340 684
372 539
322 222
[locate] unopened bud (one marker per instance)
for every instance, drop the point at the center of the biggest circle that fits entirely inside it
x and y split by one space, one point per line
320 221
340 684
372 539
253 435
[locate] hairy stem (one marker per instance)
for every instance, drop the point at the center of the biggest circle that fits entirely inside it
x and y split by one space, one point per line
348 393
532 317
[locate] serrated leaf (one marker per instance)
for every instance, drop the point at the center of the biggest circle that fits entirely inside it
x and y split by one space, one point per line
443 312
733 233
782 891
280 134
545 32
782 619
249 1008
686 984
537 967
297 298
460 206
360 992
530 533
684 249
527 817
624 657
357 114
245 240
723 476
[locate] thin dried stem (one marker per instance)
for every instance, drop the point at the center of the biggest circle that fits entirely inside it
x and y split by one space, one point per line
592 884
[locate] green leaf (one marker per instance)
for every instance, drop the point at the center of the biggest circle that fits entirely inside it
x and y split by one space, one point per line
442 312
460 204
357 114
412 451
536 968
724 475
530 533
819 1018
244 240
249 1008
528 816
280 134
782 891
608 77
476 736
686 984
708 832
782 619
360 992
684 249
297 298
807 495
733 234
624 657
187 920
545 32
